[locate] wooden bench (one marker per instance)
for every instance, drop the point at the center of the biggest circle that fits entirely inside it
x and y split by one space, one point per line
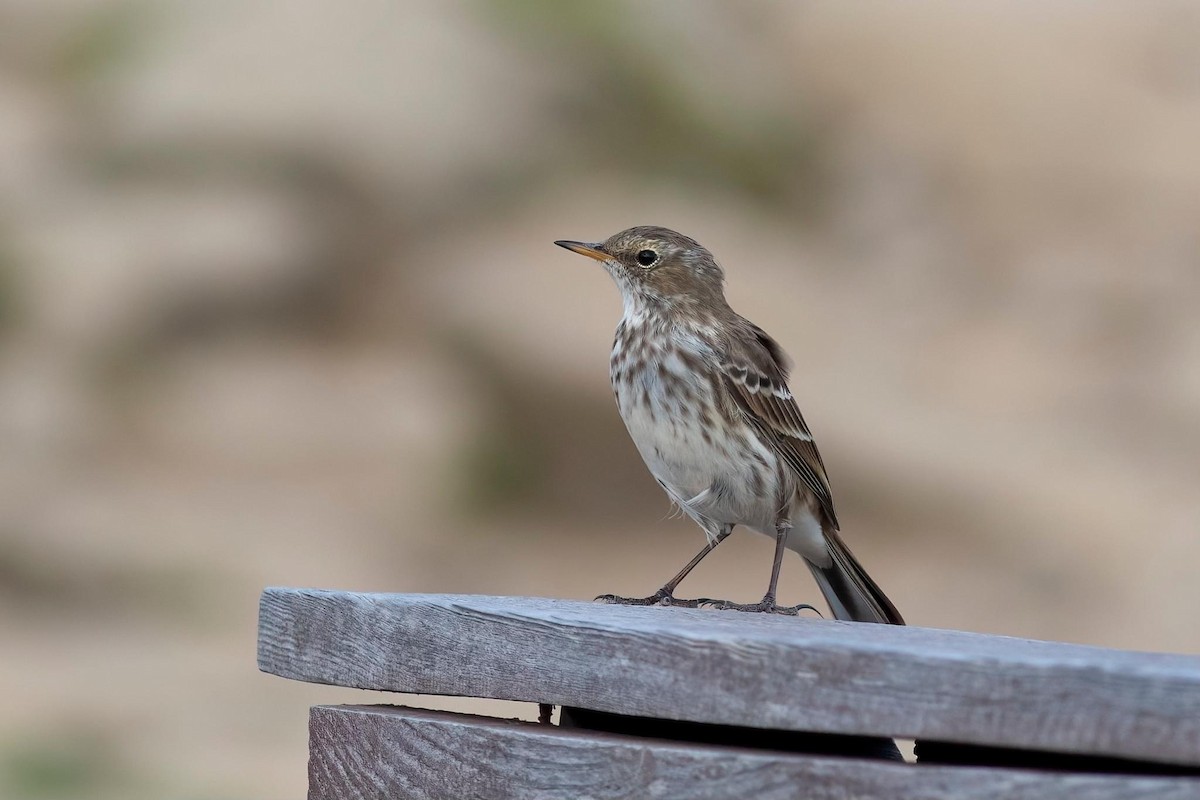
682 703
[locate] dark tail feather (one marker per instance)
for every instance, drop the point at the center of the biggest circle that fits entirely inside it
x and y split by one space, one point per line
848 588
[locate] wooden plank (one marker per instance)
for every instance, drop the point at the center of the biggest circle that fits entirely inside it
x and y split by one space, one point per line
365 752
742 669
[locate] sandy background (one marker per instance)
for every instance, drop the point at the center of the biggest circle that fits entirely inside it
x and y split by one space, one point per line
278 305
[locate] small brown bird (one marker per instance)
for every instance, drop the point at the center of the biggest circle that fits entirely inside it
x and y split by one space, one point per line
704 394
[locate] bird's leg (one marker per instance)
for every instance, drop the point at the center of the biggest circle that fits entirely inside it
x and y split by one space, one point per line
781 534
768 604
666 595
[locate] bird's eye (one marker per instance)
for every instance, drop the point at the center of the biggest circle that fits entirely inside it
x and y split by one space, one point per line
647 257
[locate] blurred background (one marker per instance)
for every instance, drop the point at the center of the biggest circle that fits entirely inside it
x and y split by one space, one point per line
279 305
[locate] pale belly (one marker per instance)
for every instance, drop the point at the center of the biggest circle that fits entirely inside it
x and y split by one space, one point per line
719 474
716 476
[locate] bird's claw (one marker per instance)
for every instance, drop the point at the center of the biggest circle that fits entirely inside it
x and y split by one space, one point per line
766 606
659 598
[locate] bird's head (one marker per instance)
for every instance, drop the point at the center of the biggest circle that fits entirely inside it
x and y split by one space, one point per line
657 265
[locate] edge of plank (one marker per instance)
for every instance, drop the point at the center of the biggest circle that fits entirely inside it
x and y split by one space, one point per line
736 669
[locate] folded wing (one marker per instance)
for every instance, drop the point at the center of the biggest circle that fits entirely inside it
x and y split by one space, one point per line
755 372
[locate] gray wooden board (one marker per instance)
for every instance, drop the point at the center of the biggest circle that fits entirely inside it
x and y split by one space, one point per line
364 752
743 669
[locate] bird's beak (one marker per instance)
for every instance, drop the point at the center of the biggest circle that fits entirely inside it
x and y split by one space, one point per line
584 249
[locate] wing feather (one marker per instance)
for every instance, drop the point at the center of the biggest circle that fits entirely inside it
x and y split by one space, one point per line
756 375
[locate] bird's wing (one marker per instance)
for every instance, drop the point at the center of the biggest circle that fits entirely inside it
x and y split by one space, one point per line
755 372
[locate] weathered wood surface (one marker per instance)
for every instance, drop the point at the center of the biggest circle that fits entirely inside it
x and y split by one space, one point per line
741 669
366 752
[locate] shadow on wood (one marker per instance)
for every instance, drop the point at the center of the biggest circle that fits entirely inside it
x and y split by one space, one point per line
828 744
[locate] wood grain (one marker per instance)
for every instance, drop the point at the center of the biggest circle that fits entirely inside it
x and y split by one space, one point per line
740 669
366 752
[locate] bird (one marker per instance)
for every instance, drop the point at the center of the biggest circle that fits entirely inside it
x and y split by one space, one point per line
704 395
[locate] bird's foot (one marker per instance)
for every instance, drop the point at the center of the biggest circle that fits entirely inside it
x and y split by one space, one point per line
766 606
660 598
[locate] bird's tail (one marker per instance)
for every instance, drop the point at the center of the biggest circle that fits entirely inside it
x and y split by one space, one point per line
849 590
